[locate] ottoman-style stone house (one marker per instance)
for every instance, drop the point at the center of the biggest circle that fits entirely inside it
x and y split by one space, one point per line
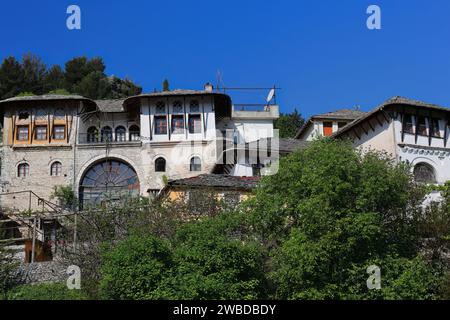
112 148
409 130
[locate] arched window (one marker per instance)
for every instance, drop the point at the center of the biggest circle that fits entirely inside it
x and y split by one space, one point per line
160 165
196 164
23 170
92 135
424 173
135 133
106 181
121 134
106 134
56 169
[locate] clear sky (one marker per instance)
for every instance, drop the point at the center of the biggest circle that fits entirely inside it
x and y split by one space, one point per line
319 52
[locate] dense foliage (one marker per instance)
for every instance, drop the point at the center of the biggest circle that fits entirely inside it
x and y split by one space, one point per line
289 124
81 76
309 232
45 291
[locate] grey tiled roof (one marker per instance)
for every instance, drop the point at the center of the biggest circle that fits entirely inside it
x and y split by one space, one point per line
291 145
45 98
110 105
342 114
216 181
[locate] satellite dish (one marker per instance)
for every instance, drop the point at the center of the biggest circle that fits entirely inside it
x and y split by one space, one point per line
271 95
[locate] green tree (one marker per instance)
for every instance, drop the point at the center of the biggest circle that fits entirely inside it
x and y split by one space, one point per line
34 74
134 268
95 86
54 79
216 258
331 212
289 124
166 86
11 78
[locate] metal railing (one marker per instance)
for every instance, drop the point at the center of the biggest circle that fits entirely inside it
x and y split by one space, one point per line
108 138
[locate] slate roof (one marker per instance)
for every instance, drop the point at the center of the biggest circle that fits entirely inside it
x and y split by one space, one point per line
290 145
111 105
45 98
217 181
342 114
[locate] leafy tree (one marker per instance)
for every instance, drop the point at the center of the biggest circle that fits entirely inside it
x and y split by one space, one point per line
289 124
207 259
134 268
331 212
216 258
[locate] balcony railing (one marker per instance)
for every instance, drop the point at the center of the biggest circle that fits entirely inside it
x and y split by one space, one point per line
93 138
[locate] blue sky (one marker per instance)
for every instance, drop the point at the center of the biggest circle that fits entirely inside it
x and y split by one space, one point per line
319 52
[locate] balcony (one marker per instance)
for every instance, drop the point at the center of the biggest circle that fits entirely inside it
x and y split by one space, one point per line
94 139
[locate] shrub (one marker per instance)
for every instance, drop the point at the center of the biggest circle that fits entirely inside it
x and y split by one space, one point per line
45 291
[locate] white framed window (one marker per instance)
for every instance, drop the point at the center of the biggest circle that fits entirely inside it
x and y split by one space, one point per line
196 164
56 169
41 133
23 170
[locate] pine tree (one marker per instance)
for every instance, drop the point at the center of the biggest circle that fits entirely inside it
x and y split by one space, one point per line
166 85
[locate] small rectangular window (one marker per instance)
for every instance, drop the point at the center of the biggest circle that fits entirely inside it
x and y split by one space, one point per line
421 126
59 132
22 133
160 125
434 127
195 123
177 124
408 124
41 133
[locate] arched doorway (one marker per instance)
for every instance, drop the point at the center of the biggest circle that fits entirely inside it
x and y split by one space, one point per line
424 173
106 181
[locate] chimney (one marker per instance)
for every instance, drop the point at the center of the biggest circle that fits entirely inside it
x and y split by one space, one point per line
209 87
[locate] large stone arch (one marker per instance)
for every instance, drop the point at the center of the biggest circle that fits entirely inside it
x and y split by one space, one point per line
107 178
423 161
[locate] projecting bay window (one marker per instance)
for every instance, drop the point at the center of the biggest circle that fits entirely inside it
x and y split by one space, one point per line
434 128
41 133
59 132
160 125
22 133
177 124
408 124
195 124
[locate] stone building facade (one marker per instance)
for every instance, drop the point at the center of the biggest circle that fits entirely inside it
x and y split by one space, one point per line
108 149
